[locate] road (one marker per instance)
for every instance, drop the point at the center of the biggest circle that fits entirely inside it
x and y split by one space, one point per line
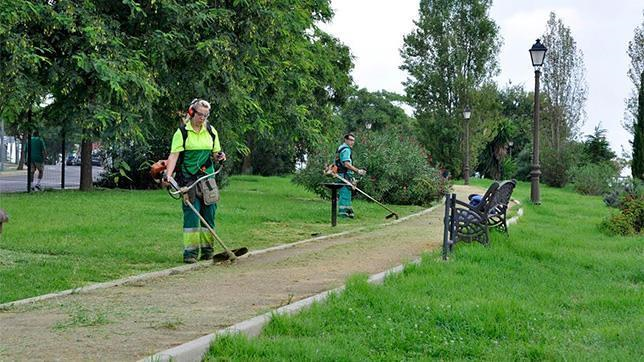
16 181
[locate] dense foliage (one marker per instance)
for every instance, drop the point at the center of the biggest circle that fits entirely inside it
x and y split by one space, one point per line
122 70
594 178
398 171
630 219
635 52
375 111
623 189
627 195
596 147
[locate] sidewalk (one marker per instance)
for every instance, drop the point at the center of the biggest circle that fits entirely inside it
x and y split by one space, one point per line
133 321
10 170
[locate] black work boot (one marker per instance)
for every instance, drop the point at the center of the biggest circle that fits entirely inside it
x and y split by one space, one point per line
206 253
190 255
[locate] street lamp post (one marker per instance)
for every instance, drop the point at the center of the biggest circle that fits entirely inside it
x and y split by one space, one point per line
537 54
467 113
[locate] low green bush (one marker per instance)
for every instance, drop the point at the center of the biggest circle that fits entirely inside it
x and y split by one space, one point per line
593 178
617 224
510 168
397 169
630 219
556 164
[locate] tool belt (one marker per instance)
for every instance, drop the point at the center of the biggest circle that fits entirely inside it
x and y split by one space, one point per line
208 191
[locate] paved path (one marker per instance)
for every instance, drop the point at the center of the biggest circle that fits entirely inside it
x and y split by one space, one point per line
136 320
16 181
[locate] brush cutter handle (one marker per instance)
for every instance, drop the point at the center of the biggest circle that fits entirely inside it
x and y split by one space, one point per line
184 189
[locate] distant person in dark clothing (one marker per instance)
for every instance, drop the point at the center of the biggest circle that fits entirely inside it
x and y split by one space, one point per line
38 154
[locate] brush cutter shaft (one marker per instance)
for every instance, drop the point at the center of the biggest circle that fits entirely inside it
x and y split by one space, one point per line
183 191
230 254
365 194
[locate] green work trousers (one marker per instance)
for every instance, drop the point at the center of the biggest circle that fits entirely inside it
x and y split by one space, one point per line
196 236
344 202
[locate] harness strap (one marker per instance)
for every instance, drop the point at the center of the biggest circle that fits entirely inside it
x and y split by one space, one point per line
338 162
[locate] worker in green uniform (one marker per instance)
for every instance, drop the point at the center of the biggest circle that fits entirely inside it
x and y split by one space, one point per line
344 162
195 148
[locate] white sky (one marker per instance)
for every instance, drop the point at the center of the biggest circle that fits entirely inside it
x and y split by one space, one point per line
374 31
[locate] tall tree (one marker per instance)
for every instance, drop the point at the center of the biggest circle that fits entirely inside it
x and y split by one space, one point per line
596 147
125 69
637 165
376 110
265 65
23 60
450 53
564 89
635 51
564 84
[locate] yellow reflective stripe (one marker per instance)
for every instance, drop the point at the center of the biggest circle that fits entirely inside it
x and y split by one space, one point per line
192 238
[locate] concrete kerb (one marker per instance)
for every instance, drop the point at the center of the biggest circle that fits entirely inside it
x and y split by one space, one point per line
190 267
196 349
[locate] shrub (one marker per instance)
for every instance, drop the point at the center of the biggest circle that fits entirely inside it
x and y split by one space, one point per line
633 209
630 220
617 224
510 168
524 164
555 165
622 189
129 165
593 178
397 169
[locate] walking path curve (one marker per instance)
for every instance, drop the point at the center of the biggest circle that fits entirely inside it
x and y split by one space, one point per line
132 321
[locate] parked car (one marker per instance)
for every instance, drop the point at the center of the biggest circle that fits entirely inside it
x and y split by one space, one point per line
72 160
96 159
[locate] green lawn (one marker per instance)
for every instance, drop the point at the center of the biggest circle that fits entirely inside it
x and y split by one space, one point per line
65 239
555 289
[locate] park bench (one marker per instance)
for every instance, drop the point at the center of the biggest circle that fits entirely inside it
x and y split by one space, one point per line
466 222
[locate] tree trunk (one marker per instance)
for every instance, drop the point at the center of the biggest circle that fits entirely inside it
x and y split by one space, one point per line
247 165
86 165
21 157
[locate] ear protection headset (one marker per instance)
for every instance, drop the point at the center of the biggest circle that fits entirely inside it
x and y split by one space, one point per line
191 109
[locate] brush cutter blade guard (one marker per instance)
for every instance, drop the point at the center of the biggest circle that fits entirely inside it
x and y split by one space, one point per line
223 256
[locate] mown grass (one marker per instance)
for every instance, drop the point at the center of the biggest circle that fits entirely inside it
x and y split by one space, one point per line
555 289
58 240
